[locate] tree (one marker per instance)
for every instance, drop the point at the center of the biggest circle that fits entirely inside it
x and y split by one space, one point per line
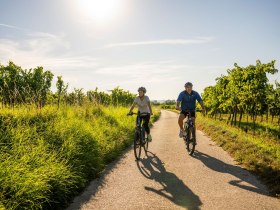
61 89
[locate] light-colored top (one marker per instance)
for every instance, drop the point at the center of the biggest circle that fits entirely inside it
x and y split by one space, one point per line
142 104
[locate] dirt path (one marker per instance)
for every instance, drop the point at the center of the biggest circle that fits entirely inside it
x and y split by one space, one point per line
168 178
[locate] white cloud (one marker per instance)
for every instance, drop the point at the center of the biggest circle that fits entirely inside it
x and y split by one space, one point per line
162 42
159 74
9 26
48 50
153 68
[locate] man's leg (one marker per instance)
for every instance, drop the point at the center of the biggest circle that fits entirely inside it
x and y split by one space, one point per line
181 120
193 117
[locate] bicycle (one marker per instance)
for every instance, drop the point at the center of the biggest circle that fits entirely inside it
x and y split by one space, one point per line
140 138
190 137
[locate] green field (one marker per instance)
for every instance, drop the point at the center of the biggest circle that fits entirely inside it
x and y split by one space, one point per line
47 155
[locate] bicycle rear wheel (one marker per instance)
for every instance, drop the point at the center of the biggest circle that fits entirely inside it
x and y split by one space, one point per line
191 140
137 145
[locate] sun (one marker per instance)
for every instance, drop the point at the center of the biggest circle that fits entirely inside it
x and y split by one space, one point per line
99 10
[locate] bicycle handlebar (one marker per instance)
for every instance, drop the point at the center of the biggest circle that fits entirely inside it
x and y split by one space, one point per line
197 110
133 113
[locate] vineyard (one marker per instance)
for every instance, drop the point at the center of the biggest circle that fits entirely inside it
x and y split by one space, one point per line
243 111
53 143
245 91
21 87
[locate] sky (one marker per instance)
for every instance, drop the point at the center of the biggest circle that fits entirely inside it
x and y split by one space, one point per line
159 44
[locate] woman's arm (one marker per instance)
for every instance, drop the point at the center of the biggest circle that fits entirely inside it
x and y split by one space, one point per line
150 107
131 108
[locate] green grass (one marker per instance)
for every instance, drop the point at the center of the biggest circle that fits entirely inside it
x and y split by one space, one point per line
259 154
49 156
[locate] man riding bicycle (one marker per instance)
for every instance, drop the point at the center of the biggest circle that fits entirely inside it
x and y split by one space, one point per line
187 99
144 106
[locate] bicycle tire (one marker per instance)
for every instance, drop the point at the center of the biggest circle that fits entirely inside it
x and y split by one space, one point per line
191 140
137 145
146 145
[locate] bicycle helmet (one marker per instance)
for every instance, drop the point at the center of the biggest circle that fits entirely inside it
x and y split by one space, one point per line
142 89
188 84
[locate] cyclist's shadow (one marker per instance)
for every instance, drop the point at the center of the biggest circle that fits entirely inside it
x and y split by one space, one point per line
242 175
173 188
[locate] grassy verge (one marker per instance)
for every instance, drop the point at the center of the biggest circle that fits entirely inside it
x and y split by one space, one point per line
258 154
49 156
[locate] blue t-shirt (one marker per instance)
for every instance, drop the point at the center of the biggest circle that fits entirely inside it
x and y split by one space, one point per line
188 101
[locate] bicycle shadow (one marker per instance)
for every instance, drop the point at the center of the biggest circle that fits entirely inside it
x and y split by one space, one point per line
173 188
237 171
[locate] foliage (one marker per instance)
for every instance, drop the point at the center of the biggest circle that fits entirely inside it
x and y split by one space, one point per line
32 87
53 144
50 155
118 97
18 86
245 90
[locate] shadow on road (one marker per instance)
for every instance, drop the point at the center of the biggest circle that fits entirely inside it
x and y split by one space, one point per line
222 167
173 188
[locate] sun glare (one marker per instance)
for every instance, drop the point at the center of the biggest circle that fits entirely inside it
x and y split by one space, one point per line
99 10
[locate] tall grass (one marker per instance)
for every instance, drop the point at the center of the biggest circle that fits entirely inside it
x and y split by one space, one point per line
48 156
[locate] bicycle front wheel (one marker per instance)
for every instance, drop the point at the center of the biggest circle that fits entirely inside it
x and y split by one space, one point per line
145 140
137 145
191 140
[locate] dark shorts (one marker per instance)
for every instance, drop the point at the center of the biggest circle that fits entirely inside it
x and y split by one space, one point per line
185 113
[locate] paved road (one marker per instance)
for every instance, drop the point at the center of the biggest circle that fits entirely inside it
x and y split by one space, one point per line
168 178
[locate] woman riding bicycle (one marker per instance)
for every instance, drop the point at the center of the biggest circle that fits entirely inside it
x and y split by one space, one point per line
144 107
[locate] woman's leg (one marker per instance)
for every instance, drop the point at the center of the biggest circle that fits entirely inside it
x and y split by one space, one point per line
146 123
138 120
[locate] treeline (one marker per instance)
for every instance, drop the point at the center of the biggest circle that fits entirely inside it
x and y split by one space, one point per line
244 91
33 87
19 86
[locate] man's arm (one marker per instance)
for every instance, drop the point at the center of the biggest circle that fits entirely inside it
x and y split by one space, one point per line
199 99
202 105
179 100
178 105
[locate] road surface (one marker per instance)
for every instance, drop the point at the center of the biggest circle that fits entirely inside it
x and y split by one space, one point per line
168 178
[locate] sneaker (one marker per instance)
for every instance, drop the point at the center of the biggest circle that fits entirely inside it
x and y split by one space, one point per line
149 138
182 133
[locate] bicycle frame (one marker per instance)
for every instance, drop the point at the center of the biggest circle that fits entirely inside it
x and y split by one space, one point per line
139 135
189 119
189 127
139 126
